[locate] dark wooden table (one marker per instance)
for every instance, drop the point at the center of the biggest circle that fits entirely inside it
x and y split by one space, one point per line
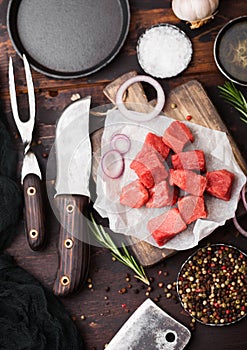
102 308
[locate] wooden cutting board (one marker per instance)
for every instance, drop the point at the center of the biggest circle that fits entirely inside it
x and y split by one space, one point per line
190 99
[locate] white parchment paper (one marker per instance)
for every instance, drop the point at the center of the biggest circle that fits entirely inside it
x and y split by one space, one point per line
132 221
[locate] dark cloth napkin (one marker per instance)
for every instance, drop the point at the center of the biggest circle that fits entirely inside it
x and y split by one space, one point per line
32 318
10 195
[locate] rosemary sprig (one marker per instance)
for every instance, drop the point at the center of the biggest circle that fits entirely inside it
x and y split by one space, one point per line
105 239
235 98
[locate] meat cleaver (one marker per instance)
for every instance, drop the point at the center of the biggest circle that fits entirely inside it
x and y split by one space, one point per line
150 328
73 158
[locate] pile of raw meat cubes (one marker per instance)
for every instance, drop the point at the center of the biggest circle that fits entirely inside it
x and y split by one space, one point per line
180 186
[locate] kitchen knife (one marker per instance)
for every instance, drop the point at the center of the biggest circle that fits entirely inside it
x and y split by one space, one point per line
73 155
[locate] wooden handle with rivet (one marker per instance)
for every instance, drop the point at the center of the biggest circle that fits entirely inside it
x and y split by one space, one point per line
73 244
34 212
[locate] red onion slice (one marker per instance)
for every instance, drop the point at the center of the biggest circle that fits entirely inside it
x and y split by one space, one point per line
112 164
121 143
238 227
243 197
235 221
137 116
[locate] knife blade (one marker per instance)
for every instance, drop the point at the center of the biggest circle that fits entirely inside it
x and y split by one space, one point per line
73 155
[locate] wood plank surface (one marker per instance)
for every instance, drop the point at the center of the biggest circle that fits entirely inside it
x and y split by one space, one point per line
104 308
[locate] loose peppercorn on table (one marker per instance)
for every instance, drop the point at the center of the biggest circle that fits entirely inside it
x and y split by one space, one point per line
111 293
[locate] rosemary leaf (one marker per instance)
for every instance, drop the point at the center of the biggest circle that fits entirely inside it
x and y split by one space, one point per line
235 98
128 260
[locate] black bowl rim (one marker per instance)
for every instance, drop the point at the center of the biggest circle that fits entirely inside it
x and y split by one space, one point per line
216 44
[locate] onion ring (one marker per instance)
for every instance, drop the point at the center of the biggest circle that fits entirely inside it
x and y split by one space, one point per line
235 221
238 227
121 143
137 116
243 197
112 164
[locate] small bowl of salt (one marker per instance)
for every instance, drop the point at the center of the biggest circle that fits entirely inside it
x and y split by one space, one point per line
164 51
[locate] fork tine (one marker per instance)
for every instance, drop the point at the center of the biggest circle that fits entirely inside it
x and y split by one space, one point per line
25 128
30 89
12 93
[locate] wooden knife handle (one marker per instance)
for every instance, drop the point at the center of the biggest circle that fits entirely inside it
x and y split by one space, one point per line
73 247
34 212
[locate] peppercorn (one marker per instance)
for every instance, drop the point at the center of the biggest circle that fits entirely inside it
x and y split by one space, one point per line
122 291
211 285
188 117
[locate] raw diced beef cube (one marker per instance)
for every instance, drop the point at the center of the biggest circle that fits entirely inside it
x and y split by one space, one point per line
162 195
192 208
177 135
191 160
134 195
143 173
165 226
156 142
188 181
219 184
149 167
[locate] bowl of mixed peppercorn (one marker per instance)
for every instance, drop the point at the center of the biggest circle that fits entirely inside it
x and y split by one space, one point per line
212 285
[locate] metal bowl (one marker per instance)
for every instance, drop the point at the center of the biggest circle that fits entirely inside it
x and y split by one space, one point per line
230 50
184 269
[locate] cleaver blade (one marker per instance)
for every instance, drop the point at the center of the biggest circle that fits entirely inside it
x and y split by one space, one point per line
150 328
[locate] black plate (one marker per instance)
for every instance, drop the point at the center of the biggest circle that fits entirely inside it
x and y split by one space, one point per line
68 39
230 50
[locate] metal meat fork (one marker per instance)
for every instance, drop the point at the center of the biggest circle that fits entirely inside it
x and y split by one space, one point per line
30 175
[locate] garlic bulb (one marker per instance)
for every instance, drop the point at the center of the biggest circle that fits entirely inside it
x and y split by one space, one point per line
196 12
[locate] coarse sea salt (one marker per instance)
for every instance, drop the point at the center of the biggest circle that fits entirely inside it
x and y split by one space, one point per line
164 51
